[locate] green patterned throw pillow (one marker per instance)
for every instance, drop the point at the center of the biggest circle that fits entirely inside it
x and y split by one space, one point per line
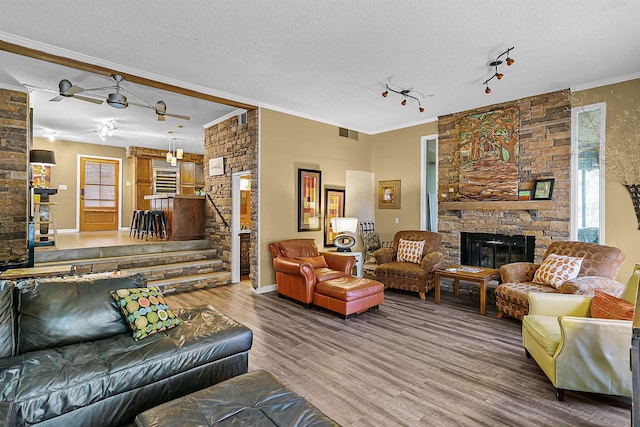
145 310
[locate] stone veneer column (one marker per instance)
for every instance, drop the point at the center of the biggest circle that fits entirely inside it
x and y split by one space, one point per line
14 176
545 152
238 145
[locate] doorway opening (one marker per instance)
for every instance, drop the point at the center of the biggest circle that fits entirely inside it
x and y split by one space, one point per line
99 193
429 183
240 225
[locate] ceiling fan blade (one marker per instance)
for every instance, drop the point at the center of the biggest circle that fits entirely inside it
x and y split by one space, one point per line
73 90
57 98
178 116
86 98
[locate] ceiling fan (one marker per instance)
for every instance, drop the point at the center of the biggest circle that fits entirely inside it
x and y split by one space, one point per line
115 99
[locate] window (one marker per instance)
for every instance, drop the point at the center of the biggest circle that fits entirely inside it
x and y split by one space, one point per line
587 173
429 183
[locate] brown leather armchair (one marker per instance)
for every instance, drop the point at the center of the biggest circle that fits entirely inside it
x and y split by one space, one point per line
299 266
410 276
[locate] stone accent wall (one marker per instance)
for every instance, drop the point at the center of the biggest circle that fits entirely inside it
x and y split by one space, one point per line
14 177
238 145
545 152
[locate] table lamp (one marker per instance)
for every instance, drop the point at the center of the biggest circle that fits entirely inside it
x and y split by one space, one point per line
345 229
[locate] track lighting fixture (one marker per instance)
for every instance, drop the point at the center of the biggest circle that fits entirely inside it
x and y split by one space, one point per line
495 64
406 93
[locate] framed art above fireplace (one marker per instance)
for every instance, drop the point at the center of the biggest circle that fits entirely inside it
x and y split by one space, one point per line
543 189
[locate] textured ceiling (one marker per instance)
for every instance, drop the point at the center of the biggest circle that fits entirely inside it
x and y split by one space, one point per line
330 60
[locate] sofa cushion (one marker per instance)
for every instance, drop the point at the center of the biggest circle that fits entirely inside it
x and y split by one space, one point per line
315 261
145 311
410 251
59 311
45 384
557 269
545 330
605 306
7 319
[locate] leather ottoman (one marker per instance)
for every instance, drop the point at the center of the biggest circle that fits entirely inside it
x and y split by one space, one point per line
254 399
348 295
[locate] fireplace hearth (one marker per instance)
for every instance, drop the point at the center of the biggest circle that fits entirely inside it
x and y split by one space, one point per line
493 250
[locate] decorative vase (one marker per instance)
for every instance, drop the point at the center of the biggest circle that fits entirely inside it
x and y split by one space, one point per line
634 191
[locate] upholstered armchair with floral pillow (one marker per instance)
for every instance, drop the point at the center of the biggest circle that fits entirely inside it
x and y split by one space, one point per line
567 268
411 262
299 266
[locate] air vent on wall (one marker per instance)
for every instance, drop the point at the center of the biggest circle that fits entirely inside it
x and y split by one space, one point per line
242 118
348 133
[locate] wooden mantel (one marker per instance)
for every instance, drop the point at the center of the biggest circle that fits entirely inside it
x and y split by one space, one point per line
497 205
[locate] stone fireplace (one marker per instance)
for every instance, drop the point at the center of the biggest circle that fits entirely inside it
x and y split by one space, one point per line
544 152
494 250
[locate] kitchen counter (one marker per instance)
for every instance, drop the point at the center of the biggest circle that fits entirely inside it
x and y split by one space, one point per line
184 212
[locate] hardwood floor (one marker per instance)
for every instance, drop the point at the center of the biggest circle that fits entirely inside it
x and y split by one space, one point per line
411 363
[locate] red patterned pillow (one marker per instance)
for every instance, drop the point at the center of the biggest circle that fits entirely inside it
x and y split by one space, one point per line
557 269
410 251
605 306
315 261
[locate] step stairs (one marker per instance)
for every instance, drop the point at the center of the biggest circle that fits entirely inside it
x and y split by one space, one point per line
171 266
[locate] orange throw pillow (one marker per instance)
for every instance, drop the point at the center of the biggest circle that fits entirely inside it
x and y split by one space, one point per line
315 261
605 306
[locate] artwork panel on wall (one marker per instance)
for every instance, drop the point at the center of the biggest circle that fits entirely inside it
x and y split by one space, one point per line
309 199
389 194
334 200
489 151
543 189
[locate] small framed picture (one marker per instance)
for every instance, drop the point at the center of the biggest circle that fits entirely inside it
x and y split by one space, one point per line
524 195
543 189
389 194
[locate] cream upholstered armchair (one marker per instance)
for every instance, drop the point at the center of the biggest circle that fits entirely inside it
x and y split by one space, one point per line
416 275
576 351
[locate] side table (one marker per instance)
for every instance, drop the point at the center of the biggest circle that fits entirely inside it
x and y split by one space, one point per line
358 256
478 275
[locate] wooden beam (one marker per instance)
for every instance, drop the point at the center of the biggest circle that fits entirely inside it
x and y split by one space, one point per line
85 66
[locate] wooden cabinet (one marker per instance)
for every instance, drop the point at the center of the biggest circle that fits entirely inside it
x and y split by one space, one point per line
142 177
187 178
199 177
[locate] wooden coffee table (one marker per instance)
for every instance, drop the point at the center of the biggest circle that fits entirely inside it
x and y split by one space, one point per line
457 272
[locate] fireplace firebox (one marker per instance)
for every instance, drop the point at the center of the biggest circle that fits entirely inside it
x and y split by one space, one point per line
493 250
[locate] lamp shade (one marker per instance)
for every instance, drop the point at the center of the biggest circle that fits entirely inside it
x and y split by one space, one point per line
42 157
344 225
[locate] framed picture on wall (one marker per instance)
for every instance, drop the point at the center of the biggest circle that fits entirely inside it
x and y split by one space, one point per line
334 201
389 194
309 199
543 189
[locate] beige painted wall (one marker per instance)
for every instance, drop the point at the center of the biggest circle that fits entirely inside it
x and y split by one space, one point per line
621 225
65 173
396 155
286 144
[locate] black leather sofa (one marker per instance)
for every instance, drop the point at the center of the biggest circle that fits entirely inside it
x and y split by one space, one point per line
68 358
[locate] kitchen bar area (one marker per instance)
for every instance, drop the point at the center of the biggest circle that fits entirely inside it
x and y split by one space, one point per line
184 214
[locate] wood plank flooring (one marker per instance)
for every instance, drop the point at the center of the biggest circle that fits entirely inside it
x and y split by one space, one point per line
411 363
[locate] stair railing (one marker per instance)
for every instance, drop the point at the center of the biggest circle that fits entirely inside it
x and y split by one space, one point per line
216 208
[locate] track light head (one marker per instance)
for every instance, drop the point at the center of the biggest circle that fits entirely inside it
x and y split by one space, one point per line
510 61
421 109
487 89
499 76
404 102
385 93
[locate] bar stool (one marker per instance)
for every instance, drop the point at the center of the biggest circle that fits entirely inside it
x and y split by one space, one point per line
156 224
136 220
